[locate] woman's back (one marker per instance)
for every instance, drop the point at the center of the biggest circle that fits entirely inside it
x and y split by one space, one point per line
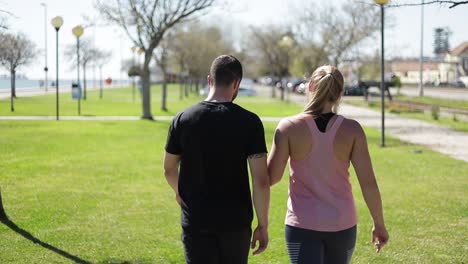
320 193
321 217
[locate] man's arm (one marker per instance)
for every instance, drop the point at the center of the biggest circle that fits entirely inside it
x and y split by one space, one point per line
261 199
171 171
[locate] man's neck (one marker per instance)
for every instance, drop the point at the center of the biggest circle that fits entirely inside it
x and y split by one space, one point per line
218 98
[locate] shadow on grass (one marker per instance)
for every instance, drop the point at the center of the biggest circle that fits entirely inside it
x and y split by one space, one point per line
10 224
126 262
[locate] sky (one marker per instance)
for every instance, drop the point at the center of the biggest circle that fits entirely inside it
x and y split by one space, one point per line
402 39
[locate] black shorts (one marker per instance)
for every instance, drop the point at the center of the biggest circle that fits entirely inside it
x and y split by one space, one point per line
315 247
216 247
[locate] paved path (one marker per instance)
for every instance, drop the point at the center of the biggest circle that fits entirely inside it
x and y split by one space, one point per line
444 140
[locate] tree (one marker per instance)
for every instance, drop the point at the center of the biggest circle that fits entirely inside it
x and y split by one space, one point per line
195 46
162 59
276 48
16 50
335 32
179 55
145 23
101 58
87 56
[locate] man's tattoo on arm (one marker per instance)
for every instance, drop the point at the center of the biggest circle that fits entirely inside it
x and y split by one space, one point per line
256 156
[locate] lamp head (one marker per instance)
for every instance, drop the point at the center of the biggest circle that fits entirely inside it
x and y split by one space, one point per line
381 2
78 31
57 22
140 51
286 41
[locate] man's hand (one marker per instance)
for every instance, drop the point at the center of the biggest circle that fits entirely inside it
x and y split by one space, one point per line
260 234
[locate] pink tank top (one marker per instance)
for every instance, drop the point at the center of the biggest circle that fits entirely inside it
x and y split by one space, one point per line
320 194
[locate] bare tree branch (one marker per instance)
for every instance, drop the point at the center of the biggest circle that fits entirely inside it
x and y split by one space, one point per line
451 4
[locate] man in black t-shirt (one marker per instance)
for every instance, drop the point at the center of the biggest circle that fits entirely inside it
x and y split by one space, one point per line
207 150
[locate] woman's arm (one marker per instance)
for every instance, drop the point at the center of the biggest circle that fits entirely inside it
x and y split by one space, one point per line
279 153
363 166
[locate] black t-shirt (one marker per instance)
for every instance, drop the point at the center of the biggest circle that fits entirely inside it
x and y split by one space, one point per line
214 141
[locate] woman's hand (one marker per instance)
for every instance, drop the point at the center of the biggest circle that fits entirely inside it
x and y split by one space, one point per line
379 237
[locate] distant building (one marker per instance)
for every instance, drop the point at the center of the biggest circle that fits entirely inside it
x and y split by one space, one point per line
457 60
445 69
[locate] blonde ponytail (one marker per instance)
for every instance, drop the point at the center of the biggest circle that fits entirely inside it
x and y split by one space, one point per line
327 85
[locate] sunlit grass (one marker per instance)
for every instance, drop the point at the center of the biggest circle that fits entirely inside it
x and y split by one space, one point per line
120 102
96 190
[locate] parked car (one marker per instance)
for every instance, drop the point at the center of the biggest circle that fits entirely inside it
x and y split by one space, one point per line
458 83
246 92
353 90
300 87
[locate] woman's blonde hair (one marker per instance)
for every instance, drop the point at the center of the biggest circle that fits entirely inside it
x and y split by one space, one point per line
327 85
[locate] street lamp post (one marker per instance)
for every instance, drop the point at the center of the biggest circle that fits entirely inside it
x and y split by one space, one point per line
57 22
78 31
421 87
46 69
382 3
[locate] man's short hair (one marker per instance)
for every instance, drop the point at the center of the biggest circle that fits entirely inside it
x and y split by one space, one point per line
226 69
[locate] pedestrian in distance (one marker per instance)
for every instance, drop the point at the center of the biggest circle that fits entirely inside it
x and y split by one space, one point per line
320 145
208 148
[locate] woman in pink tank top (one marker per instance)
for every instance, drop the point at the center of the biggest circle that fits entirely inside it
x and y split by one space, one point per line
320 145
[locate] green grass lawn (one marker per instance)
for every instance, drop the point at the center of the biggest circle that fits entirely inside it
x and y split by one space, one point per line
96 191
448 122
119 102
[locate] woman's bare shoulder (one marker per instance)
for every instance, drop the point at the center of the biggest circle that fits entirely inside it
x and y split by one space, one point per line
352 127
291 122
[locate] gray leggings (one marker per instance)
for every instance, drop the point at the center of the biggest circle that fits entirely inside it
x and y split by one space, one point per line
315 247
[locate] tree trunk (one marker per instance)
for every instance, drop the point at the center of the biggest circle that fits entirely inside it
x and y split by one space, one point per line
181 88
100 82
191 84
84 81
164 94
186 84
13 90
273 89
145 87
197 85
282 89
